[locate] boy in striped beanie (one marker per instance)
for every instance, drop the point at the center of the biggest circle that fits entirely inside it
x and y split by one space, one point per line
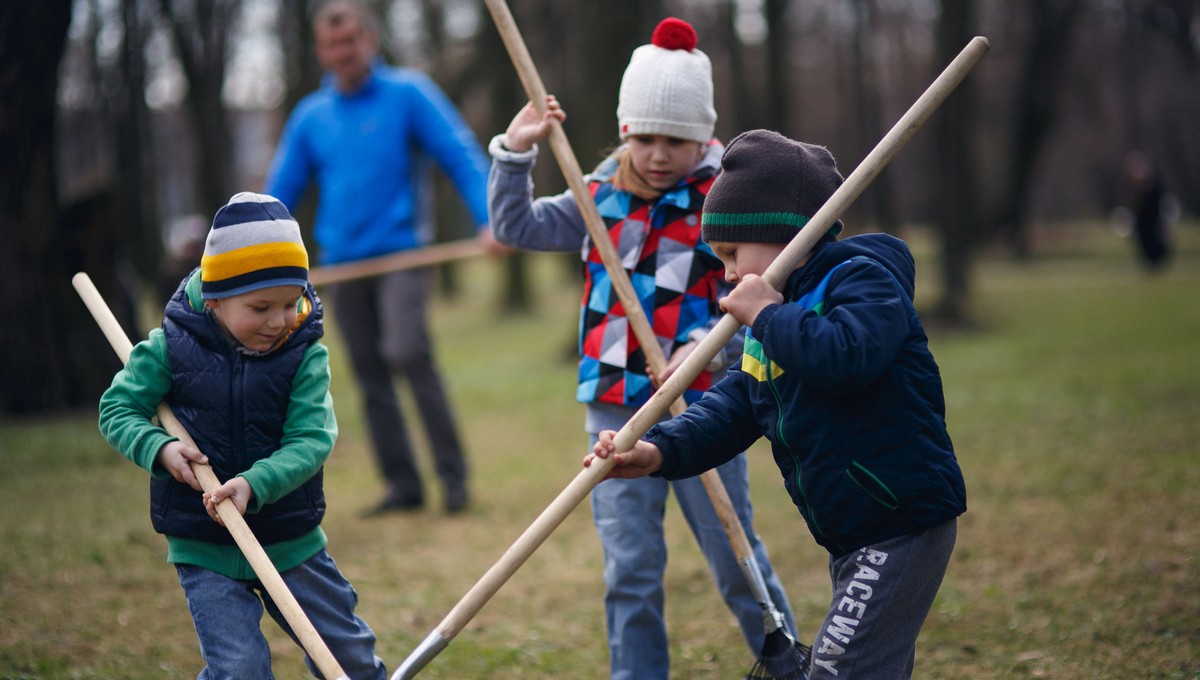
254 247
239 360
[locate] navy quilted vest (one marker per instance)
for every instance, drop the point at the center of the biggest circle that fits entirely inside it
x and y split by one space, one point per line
234 406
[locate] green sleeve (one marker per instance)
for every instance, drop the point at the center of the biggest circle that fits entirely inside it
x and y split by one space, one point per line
308 434
127 406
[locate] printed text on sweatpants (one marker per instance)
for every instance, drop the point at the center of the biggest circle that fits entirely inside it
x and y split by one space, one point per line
839 634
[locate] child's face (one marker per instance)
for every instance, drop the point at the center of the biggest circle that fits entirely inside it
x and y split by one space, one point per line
742 258
258 319
662 161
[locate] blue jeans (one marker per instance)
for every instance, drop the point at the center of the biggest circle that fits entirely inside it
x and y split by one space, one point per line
628 514
227 612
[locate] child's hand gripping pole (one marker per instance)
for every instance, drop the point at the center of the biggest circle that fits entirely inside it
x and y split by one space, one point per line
658 404
263 568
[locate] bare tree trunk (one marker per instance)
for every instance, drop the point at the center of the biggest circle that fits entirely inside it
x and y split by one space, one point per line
742 115
506 97
1037 111
201 32
302 74
868 119
51 354
955 202
135 184
779 80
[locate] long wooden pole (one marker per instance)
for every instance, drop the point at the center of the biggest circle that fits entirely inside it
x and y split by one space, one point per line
596 229
405 259
659 403
259 561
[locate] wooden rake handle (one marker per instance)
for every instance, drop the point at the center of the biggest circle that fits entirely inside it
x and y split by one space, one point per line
263 568
405 259
569 165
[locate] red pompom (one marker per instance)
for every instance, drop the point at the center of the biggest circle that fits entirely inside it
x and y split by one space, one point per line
674 34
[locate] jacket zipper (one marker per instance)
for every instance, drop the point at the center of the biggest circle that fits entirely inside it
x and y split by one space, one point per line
239 417
812 515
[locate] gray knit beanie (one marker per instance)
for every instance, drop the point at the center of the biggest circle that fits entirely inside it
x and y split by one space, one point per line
769 188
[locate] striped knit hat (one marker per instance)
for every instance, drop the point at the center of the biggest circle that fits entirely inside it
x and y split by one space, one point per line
769 188
254 243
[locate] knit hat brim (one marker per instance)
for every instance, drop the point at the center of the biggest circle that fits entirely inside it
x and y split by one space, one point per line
758 227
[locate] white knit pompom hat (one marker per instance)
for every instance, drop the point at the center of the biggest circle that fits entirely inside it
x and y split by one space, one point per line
667 88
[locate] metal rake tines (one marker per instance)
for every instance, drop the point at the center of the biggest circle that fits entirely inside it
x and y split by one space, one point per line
790 664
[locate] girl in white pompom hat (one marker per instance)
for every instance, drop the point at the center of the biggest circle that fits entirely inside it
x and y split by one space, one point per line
649 192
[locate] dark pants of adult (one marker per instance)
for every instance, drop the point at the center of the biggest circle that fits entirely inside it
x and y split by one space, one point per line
383 323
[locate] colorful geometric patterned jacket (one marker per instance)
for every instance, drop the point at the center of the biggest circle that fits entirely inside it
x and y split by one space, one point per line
677 277
674 274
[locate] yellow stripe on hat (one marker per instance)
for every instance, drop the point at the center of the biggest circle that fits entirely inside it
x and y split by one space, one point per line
251 259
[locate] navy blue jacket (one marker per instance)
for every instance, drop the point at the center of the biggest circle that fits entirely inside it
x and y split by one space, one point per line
234 405
840 379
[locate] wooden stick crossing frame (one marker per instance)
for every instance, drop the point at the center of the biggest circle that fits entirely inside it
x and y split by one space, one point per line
259 561
660 402
405 259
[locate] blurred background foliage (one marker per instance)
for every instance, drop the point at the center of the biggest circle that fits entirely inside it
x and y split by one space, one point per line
126 123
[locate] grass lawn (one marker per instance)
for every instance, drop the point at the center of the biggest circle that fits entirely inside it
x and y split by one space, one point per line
1074 407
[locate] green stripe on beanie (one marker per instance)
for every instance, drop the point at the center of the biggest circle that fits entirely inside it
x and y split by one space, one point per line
768 189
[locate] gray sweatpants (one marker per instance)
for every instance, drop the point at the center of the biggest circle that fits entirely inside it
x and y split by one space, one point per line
881 596
383 323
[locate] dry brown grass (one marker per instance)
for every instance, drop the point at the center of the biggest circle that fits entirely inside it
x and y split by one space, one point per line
1075 414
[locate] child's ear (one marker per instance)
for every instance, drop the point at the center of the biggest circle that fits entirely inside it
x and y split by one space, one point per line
212 304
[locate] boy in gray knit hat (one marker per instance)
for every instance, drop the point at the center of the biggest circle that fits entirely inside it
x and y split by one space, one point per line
838 375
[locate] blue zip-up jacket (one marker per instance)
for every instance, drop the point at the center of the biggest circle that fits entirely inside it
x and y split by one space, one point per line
366 151
235 406
840 379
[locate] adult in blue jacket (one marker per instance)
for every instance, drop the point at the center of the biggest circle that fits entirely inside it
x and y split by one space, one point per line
362 137
838 376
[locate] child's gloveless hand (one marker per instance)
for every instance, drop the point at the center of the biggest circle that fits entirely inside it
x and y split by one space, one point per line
177 458
639 461
749 297
237 490
528 127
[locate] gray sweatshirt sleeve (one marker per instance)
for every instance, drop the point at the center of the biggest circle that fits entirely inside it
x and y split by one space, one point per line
550 223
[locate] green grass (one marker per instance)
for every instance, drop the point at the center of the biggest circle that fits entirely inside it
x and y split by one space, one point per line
1075 410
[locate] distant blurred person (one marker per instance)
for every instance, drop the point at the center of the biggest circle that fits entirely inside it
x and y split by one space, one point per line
362 137
185 246
1147 199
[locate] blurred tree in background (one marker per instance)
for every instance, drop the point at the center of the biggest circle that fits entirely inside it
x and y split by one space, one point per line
120 118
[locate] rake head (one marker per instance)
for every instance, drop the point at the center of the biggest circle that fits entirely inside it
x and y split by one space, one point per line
782 659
